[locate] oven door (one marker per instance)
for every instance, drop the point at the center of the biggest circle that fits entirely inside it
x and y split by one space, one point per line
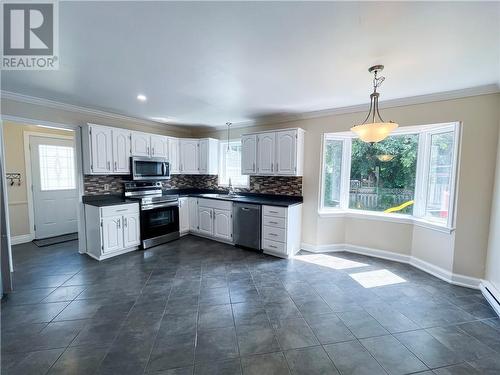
150 169
159 224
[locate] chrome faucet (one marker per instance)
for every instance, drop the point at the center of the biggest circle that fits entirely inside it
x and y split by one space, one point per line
230 188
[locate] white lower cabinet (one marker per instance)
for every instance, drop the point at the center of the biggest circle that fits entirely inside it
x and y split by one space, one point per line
193 214
183 216
215 219
281 228
112 230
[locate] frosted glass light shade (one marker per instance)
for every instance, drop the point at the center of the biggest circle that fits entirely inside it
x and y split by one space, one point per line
375 131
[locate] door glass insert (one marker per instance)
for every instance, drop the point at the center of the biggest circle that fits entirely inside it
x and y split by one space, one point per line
57 167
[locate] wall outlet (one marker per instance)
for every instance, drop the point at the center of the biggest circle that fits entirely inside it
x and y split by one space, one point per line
106 187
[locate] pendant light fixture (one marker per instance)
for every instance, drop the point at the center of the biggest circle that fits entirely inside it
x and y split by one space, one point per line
374 128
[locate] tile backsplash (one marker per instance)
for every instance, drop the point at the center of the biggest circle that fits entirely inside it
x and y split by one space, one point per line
95 185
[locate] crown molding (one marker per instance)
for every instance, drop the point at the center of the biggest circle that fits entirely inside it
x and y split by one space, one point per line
392 103
412 100
84 110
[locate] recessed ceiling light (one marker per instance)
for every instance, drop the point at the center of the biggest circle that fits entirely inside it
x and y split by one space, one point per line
141 97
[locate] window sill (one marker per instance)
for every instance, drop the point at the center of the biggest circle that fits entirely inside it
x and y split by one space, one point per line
400 219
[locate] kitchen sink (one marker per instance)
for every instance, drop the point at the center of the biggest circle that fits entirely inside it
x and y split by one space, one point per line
225 196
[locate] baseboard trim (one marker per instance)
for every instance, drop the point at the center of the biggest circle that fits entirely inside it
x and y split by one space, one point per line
23 238
440 273
491 294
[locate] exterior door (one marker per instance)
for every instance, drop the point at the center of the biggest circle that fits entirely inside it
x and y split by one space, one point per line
286 145
112 234
265 153
101 146
131 230
249 154
53 172
223 225
205 221
121 151
173 155
189 156
140 144
159 146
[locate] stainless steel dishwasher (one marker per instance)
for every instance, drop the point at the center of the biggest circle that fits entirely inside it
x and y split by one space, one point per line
247 225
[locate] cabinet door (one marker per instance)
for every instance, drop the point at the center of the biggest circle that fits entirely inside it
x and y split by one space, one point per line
265 153
112 234
203 156
249 154
223 224
286 152
173 155
183 215
159 146
206 223
140 144
131 230
193 214
121 151
189 156
101 145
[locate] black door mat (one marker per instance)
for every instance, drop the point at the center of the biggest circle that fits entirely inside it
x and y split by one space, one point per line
55 240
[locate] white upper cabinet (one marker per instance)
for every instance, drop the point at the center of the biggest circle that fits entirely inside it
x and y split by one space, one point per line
265 155
286 144
173 155
141 143
208 154
98 151
277 153
189 156
159 146
121 151
249 154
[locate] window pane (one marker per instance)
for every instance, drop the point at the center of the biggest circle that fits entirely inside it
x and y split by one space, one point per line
332 172
440 169
57 167
383 174
230 165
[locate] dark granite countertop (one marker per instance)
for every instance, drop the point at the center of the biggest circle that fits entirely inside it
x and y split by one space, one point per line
106 200
256 198
266 199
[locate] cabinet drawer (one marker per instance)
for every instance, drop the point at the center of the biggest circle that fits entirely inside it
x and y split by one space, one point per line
274 234
274 211
215 203
270 221
274 246
120 209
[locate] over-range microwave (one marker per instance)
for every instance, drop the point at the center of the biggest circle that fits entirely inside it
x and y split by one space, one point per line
144 168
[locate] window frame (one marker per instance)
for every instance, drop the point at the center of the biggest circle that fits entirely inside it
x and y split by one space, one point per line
425 133
222 167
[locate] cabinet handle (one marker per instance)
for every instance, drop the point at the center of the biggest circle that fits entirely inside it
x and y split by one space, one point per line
273 222
115 166
272 167
277 169
124 222
253 167
147 150
273 212
273 234
274 247
118 224
109 165
152 150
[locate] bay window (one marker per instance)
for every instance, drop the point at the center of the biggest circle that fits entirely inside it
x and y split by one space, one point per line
410 174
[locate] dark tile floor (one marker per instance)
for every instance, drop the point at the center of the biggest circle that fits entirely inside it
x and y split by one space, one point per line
199 307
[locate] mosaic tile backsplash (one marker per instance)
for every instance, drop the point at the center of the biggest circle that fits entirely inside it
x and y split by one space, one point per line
95 185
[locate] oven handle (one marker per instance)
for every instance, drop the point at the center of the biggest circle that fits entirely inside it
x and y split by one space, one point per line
159 205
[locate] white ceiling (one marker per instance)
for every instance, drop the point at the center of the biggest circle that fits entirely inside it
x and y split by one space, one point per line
207 63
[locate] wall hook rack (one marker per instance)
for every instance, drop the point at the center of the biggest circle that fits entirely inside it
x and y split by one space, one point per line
14 178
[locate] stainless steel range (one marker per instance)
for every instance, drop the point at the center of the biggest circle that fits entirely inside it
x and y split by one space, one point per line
159 213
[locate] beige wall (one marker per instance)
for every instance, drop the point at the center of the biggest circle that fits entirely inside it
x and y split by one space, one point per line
493 259
15 163
479 116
